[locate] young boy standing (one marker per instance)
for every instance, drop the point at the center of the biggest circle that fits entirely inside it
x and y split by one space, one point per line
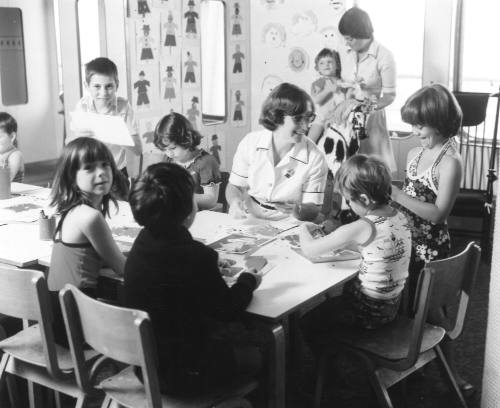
101 78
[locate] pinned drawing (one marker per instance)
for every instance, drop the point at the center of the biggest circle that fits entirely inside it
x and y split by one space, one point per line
215 148
169 32
236 30
142 8
269 83
191 16
271 4
142 85
238 108
170 83
190 69
193 113
304 24
298 59
274 35
239 63
145 43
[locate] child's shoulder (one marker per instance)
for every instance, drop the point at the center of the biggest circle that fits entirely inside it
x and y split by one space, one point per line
85 213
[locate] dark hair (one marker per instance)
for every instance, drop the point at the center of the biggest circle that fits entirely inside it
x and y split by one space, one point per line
65 193
101 66
175 128
327 52
7 123
361 174
285 99
356 23
433 106
162 196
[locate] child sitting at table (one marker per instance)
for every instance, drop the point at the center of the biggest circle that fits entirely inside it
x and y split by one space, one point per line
175 135
10 155
177 280
81 193
383 238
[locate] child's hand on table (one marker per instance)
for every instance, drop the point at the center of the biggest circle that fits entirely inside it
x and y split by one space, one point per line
225 266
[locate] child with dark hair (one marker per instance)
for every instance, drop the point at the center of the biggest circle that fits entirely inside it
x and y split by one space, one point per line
10 156
175 135
83 243
431 186
383 239
278 171
177 281
101 79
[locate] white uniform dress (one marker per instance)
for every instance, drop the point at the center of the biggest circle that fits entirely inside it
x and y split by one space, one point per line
299 177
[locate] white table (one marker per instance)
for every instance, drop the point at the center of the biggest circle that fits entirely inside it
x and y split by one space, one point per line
293 282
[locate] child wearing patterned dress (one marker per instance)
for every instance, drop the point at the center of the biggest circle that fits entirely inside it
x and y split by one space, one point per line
10 156
382 237
431 186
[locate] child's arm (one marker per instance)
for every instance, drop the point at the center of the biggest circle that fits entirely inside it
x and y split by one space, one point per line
16 163
357 232
450 174
209 197
324 95
96 230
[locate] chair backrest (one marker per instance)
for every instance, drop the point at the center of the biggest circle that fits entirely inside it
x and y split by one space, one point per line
120 333
24 295
475 137
454 280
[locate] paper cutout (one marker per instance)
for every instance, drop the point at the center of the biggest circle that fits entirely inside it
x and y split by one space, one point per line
106 128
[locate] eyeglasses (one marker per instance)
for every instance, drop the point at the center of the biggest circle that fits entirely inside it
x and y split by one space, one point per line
304 117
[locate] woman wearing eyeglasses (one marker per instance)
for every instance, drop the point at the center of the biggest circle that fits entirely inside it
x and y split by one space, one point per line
278 171
371 66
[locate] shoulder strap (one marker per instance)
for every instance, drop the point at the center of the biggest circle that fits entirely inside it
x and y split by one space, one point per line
373 228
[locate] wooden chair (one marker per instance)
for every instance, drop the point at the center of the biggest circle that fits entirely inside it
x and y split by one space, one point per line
32 353
126 335
396 350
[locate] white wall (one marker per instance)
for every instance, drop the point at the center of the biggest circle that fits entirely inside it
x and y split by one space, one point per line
40 127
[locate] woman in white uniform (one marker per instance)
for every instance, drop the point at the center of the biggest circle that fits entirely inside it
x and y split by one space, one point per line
278 171
372 66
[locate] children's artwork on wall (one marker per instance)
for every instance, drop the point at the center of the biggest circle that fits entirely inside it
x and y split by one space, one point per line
239 63
142 8
170 88
191 17
191 68
331 38
146 132
191 102
237 33
162 3
215 144
238 107
274 35
146 44
298 59
304 24
142 86
271 4
269 83
338 6
170 31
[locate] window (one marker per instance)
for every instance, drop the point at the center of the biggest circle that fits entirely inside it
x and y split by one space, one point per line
12 60
399 26
88 32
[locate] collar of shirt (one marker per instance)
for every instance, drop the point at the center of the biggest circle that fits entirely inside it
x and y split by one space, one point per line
372 50
89 106
299 151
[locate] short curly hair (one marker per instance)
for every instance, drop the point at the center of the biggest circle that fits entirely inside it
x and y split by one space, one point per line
175 128
284 100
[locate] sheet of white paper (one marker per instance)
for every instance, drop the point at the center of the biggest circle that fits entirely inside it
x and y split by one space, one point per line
106 128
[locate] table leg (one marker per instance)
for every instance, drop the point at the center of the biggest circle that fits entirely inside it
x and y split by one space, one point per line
277 373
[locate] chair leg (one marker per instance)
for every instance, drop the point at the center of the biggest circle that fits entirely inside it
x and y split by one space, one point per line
380 390
106 403
450 376
13 392
81 401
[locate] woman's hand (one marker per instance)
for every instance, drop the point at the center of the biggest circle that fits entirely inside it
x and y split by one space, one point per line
237 209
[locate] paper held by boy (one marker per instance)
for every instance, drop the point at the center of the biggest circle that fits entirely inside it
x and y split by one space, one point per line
106 128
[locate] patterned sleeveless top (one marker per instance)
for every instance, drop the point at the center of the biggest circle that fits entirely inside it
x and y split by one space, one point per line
4 161
430 241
